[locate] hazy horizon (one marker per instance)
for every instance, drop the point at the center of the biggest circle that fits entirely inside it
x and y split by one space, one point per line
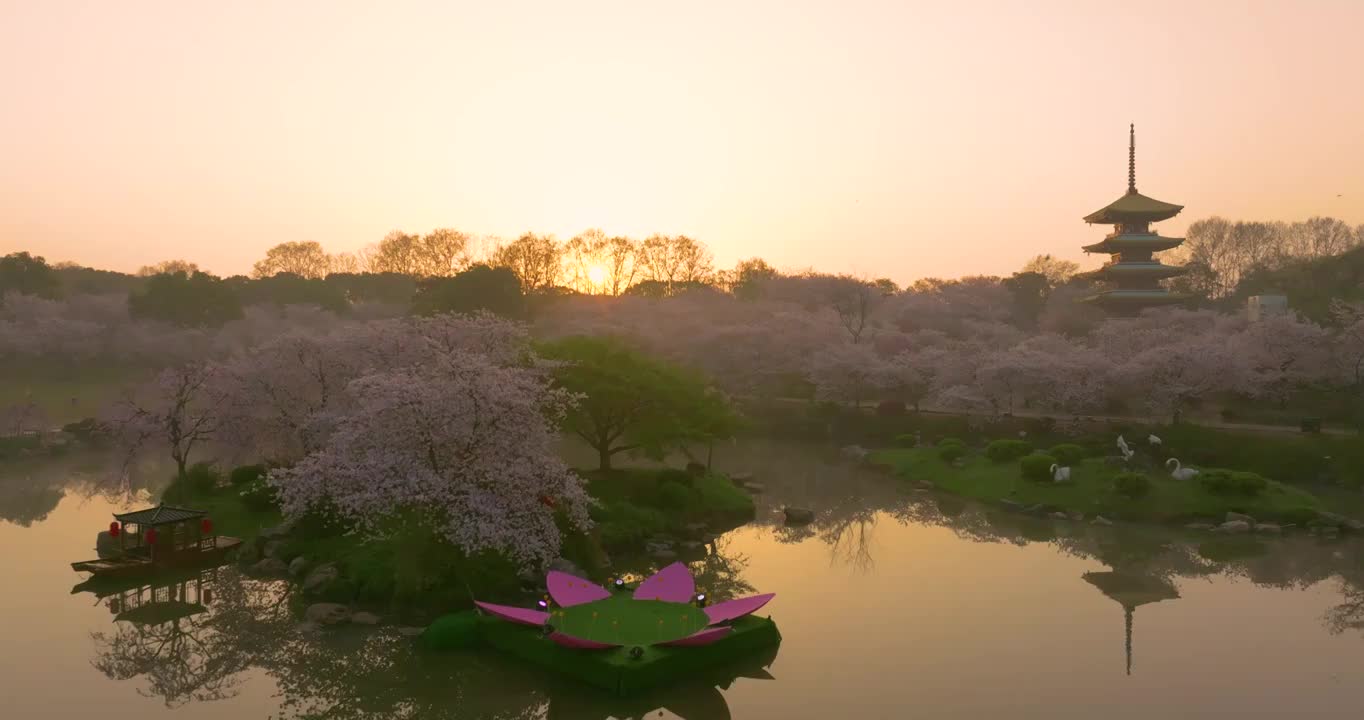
905 140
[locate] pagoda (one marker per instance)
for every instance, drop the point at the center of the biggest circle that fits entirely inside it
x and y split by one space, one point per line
1133 273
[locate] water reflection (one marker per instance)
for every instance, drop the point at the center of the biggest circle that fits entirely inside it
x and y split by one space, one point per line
190 636
1052 616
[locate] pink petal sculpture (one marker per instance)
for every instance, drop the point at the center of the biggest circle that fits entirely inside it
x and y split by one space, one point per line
578 643
733 609
569 590
672 584
704 637
521 616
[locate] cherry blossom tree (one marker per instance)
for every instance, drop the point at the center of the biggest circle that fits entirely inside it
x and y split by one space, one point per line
846 373
462 444
1282 353
180 411
1166 377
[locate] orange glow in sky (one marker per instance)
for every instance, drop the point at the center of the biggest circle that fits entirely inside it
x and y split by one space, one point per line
880 138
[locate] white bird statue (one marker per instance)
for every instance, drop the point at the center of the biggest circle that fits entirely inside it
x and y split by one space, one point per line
1060 474
1153 440
1122 446
1178 472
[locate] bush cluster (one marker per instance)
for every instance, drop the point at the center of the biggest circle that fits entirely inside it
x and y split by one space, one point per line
1002 451
907 440
1132 485
1232 482
950 449
1037 467
1068 454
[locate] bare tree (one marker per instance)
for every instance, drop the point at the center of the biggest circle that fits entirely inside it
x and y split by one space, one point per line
305 259
534 258
675 260
180 409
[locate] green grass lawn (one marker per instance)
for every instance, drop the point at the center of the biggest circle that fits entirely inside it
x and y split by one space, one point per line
1091 490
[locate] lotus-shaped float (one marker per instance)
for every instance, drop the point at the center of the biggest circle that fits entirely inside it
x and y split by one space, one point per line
664 609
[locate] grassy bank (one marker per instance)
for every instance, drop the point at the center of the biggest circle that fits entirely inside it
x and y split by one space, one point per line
1093 490
1300 459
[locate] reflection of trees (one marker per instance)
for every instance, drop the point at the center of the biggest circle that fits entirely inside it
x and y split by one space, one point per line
720 571
188 648
1348 615
24 501
850 539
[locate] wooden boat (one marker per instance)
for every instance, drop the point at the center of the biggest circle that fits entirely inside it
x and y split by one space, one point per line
157 538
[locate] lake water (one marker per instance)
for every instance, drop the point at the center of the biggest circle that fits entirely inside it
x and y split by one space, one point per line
893 604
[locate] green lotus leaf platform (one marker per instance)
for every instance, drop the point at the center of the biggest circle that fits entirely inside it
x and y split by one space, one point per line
621 641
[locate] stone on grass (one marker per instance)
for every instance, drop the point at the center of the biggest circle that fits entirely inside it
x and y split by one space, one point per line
1234 527
664 555
1200 526
274 549
306 628
799 516
276 532
1268 529
1059 516
298 565
1235 516
320 577
1100 520
327 613
410 631
1341 521
364 618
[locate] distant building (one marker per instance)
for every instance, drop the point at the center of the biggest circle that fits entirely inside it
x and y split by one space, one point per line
1259 307
1132 270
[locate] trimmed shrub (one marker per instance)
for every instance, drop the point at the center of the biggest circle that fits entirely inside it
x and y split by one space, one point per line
907 440
674 498
951 452
950 441
696 468
1037 467
1068 454
1132 485
1232 482
246 474
1002 451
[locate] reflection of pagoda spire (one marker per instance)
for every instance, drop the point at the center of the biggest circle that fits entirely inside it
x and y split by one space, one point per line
1131 590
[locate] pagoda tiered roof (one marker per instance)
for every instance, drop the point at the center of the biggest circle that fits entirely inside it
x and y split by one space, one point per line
1138 242
1133 207
1135 268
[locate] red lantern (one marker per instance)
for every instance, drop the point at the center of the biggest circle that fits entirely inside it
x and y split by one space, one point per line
206 526
113 529
151 536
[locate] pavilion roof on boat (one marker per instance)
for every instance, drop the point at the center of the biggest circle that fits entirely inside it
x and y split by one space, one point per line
159 515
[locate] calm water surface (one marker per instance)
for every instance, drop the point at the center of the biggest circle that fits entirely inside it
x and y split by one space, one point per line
892 604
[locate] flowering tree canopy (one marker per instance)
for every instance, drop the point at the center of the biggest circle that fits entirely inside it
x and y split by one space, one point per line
461 442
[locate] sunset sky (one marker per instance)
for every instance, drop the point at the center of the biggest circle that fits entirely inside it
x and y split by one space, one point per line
896 139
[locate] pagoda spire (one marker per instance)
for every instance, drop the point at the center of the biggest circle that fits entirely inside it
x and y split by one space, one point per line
1132 158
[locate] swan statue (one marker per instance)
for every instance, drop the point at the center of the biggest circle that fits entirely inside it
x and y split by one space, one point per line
1179 473
1060 474
1122 446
